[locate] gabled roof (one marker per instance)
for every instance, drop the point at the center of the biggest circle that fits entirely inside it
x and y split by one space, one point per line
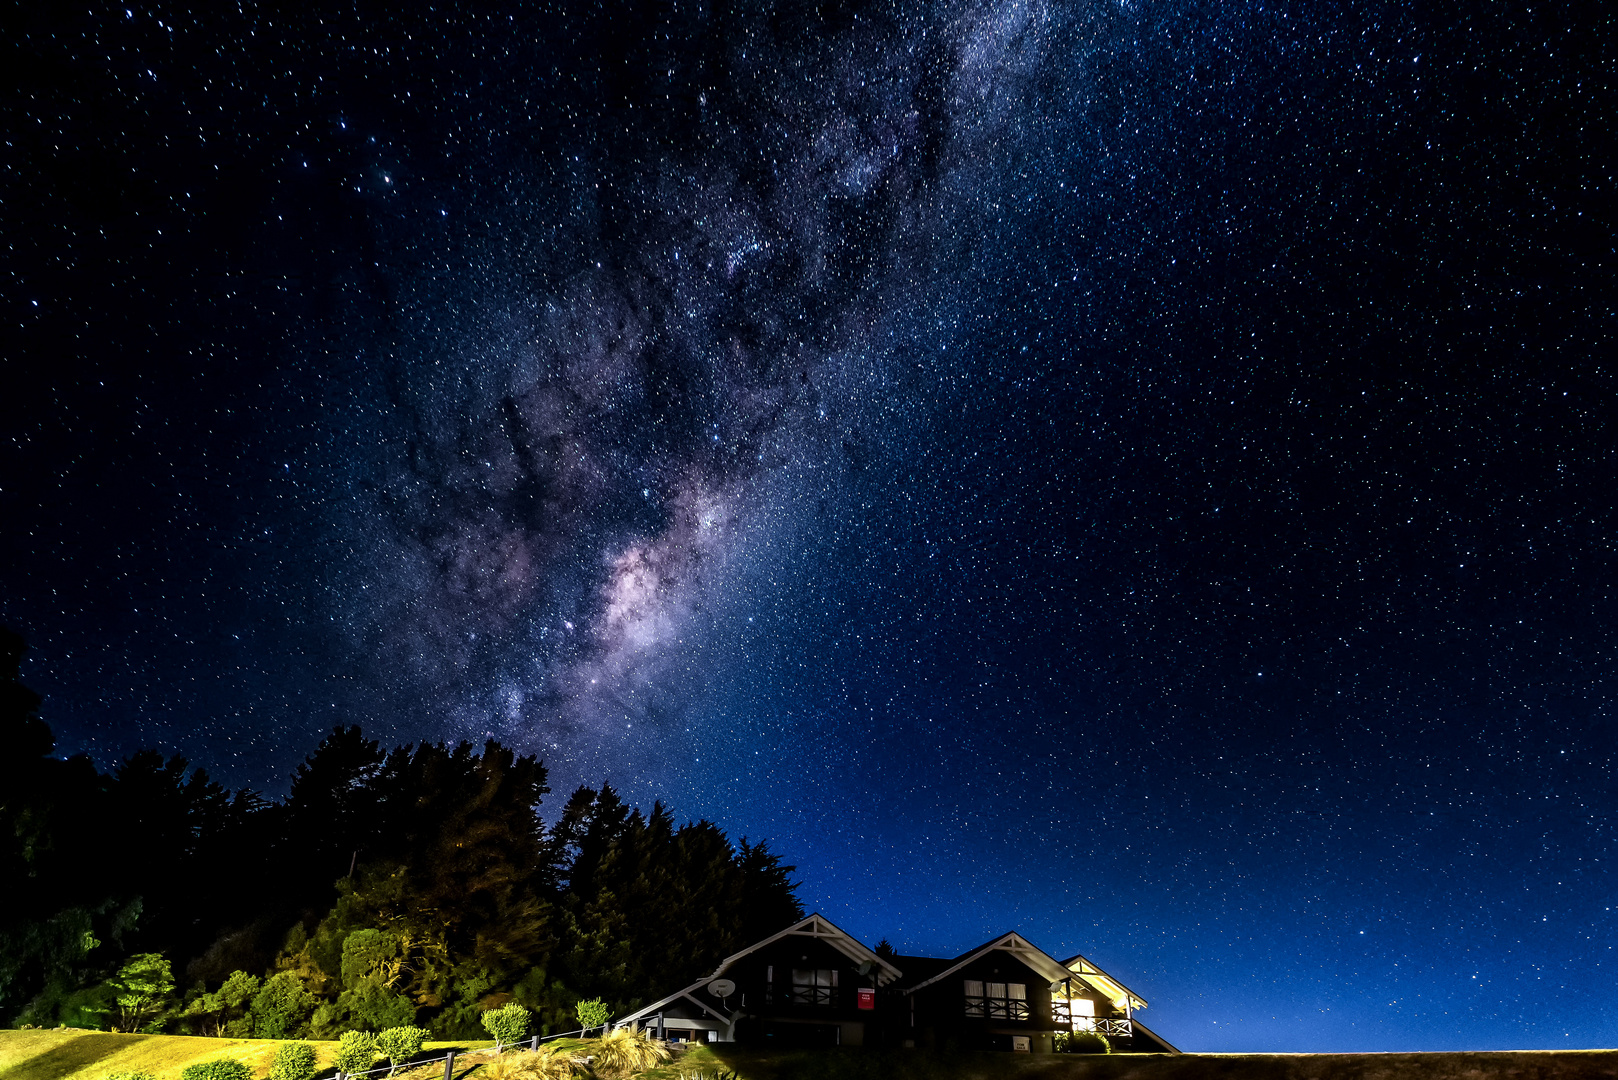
1015 944
663 1003
819 927
815 926
1103 982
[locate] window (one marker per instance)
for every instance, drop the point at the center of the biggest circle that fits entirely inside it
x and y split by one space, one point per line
814 986
997 1000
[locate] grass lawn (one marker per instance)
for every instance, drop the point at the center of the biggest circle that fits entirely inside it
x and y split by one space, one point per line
90 1055
71 1054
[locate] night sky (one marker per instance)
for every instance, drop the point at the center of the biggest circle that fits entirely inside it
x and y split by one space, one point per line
1136 472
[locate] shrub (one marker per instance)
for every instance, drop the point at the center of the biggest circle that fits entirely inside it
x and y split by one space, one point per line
593 1014
507 1024
356 1051
400 1044
1081 1042
293 1061
625 1051
217 1069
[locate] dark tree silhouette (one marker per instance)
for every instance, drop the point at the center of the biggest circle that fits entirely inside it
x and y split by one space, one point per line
413 885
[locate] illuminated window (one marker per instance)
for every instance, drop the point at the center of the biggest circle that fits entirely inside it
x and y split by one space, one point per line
996 1000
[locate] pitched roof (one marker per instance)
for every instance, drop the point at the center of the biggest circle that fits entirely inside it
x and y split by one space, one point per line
1018 946
1094 976
819 927
816 926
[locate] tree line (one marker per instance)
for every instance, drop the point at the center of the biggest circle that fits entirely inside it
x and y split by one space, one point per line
416 885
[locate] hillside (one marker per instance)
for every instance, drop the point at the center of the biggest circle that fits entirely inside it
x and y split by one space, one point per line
71 1054
91 1055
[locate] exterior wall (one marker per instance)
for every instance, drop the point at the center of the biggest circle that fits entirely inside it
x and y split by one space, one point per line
941 1009
776 1010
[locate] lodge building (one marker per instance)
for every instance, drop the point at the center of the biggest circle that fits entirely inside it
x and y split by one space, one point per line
814 985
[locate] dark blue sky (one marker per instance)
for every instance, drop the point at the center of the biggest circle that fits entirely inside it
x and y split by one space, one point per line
1135 473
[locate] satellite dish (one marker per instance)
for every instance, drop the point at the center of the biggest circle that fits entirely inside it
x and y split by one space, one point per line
721 988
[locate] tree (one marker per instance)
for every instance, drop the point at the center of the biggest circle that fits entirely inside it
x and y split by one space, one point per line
235 998
224 1011
592 1014
400 1044
508 1024
59 893
281 1007
331 810
143 989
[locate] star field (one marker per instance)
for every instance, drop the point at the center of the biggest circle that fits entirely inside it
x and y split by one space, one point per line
1133 473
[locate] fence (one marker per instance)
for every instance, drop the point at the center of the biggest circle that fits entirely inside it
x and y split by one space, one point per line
532 1043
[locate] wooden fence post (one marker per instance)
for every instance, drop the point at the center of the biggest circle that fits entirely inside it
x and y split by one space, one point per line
449 1066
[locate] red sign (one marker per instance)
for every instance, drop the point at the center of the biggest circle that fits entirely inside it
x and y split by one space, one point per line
867 998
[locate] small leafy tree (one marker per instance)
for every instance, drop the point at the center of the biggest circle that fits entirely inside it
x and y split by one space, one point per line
218 1069
400 1044
356 1050
507 1024
293 1061
142 989
593 1014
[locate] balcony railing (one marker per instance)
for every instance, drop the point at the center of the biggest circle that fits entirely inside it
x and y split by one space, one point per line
1061 1014
819 996
997 1008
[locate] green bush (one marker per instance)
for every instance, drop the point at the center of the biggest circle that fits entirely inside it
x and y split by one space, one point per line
400 1044
507 1024
1081 1042
218 1069
356 1051
293 1061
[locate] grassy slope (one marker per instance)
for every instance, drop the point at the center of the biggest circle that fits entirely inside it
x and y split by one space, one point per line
90 1055
68 1054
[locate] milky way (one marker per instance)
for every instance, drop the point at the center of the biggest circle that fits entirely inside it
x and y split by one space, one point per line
558 479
